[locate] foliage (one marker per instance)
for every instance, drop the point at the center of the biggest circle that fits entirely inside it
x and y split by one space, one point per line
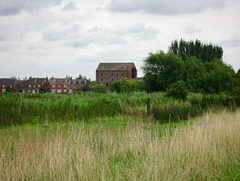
125 85
204 52
196 106
93 83
161 70
41 91
100 88
81 77
198 65
85 88
177 90
218 77
8 89
192 74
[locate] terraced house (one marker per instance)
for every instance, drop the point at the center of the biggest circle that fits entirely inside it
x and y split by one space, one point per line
7 83
34 85
106 73
61 85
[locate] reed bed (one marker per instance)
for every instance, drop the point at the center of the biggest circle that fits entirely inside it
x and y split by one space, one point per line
207 148
35 108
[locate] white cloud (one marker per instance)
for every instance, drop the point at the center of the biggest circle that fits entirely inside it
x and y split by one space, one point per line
191 29
233 41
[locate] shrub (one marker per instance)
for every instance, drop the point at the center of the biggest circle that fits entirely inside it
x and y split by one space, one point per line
235 91
85 88
99 88
177 90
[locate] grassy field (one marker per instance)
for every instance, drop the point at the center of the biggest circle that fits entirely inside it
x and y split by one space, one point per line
110 137
123 148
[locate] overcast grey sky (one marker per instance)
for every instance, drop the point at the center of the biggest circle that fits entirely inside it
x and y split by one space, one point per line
70 37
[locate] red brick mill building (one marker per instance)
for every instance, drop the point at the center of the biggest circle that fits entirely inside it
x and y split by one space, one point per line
106 73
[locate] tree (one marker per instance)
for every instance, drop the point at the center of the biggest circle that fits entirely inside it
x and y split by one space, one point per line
161 70
192 74
99 88
177 90
93 83
81 77
8 89
204 52
218 77
125 85
85 88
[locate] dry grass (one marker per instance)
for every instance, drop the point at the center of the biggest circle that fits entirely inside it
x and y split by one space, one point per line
208 149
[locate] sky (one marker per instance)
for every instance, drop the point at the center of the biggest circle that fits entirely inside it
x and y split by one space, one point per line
56 38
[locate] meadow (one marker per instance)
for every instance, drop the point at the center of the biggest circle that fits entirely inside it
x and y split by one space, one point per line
123 148
111 137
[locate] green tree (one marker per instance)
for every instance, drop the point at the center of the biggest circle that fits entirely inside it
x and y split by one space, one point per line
218 77
161 70
125 85
204 52
85 88
81 77
192 74
93 83
8 89
177 90
99 88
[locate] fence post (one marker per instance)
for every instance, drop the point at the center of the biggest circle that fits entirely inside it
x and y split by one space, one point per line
148 106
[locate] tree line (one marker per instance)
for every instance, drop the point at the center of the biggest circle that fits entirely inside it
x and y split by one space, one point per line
199 66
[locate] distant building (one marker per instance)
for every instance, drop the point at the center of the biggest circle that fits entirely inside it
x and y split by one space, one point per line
22 86
79 83
107 73
61 85
7 82
33 85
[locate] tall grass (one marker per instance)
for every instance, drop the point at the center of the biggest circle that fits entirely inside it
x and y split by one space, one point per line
33 108
207 149
195 106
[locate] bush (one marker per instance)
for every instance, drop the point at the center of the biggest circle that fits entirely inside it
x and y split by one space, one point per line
100 88
127 86
235 91
85 88
177 90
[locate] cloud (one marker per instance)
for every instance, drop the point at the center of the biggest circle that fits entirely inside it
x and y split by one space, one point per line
69 6
58 32
117 36
96 35
140 30
167 7
233 41
12 7
191 29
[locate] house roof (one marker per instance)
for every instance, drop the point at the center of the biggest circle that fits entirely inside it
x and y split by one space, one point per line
22 84
60 81
7 81
115 66
36 81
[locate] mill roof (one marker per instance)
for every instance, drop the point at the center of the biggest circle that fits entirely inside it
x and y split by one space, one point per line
115 66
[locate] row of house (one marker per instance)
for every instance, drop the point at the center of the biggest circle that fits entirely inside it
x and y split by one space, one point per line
106 73
36 85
